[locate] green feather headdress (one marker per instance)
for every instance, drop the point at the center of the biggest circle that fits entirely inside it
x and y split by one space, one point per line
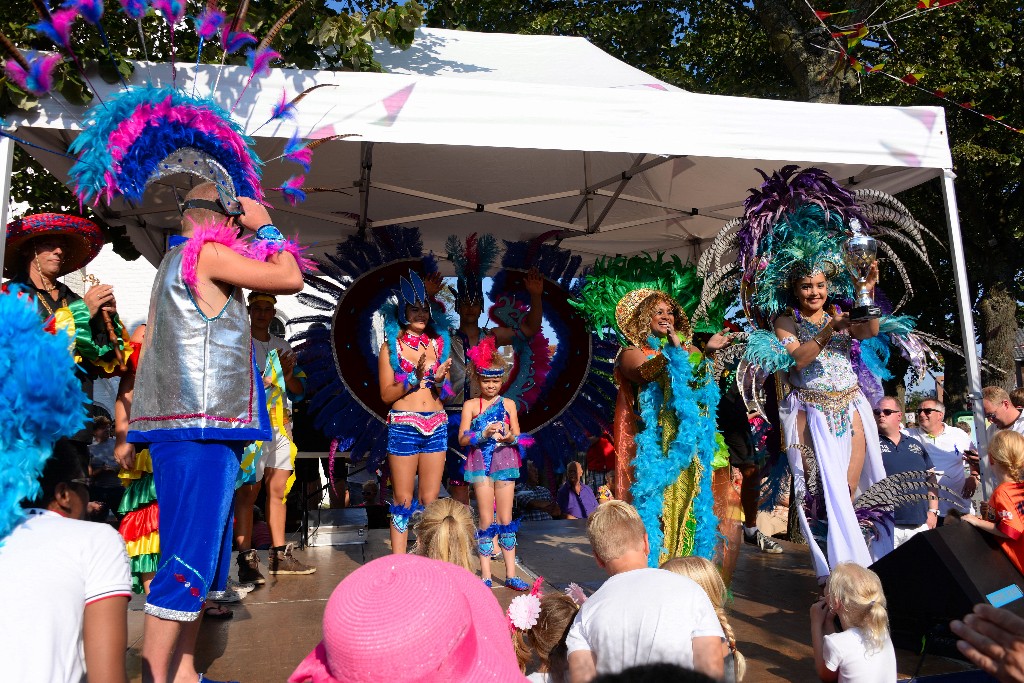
611 279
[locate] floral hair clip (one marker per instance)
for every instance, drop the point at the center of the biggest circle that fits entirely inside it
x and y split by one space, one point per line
576 593
524 610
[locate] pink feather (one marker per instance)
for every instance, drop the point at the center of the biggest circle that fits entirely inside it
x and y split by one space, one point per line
218 233
292 190
297 151
208 23
38 80
261 250
136 9
233 41
58 26
171 10
259 60
90 10
283 110
482 355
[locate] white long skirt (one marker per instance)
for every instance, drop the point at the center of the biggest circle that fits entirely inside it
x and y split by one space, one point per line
845 540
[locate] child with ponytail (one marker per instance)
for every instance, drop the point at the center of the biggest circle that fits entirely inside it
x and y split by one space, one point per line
862 650
446 532
705 575
1003 519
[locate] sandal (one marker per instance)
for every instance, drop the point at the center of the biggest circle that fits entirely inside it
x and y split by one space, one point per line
218 612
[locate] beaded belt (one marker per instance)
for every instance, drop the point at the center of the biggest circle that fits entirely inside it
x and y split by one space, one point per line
834 404
425 423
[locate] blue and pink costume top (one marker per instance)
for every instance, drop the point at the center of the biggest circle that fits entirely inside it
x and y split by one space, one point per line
491 459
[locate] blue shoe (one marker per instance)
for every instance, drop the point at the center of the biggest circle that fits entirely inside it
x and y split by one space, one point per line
487 582
517 584
204 679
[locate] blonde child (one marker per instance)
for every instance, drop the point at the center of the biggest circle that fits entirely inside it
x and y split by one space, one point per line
862 651
550 616
490 425
705 575
1006 457
445 532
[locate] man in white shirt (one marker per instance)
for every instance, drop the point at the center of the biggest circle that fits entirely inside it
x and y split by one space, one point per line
66 585
949 448
640 615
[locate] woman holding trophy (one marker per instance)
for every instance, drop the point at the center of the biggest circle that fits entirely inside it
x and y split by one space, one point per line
800 234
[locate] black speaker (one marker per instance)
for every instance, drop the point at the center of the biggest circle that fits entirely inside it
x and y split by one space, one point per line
939 575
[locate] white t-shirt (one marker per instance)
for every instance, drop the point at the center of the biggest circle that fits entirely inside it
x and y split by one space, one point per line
643 616
946 451
51 568
847 654
263 348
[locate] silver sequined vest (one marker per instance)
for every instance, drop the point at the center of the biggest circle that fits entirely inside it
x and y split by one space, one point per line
196 380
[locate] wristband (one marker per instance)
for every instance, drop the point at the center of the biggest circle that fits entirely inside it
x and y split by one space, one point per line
934 512
270 233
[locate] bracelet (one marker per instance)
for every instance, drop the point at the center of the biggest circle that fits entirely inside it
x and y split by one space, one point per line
269 232
934 512
818 342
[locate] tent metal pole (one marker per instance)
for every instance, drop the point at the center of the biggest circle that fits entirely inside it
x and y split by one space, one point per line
963 298
365 166
6 163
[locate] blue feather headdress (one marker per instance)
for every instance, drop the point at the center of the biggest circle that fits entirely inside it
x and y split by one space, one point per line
41 400
472 261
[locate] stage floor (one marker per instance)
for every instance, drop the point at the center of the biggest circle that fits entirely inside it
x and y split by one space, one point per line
279 624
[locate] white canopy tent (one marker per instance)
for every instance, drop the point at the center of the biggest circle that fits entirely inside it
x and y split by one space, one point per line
521 135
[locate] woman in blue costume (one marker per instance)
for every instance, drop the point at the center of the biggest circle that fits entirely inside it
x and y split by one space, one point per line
490 425
413 369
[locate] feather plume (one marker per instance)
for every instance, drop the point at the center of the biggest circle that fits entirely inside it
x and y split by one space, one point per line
482 355
171 10
296 151
41 400
301 95
313 144
38 78
12 52
90 10
292 190
238 21
209 23
57 27
283 110
766 351
278 25
233 41
259 61
135 9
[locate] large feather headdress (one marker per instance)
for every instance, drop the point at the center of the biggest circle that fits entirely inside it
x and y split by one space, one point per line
472 260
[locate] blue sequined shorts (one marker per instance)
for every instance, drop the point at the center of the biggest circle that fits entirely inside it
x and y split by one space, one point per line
412 432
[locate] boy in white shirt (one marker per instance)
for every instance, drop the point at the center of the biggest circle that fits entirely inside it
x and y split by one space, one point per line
640 615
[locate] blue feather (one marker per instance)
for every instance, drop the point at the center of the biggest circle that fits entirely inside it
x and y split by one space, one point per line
765 350
41 400
874 354
900 325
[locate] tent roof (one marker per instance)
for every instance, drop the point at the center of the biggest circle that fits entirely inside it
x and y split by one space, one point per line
519 135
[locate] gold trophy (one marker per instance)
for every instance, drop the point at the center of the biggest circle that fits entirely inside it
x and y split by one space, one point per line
861 252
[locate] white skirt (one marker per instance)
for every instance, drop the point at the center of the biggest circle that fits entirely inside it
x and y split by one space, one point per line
845 540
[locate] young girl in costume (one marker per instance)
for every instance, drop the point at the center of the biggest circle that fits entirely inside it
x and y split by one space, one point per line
413 370
490 425
705 575
862 649
1006 456
539 627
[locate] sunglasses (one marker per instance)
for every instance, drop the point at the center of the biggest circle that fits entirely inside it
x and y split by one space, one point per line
884 411
927 411
81 481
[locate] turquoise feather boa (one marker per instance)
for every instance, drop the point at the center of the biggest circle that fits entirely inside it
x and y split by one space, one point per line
655 470
439 318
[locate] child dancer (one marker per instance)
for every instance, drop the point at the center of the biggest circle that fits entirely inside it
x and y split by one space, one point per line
705 575
862 651
1006 456
490 424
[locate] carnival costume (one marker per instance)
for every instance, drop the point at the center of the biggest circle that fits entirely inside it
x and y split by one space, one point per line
665 459
197 398
795 226
411 432
98 348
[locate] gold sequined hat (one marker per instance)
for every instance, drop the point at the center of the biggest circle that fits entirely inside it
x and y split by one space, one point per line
629 308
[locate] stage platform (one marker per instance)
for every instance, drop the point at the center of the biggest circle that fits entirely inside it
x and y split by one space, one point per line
279 623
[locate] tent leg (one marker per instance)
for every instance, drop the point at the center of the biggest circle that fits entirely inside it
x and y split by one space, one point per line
6 163
963 298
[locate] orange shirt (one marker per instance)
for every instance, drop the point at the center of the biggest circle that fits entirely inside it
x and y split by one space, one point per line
1007 505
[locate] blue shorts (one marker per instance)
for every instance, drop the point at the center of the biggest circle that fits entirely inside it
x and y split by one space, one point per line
410 432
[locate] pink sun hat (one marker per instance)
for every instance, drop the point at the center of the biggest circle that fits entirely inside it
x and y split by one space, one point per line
411 619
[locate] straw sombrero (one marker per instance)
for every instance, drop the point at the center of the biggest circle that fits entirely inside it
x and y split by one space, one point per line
84 239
